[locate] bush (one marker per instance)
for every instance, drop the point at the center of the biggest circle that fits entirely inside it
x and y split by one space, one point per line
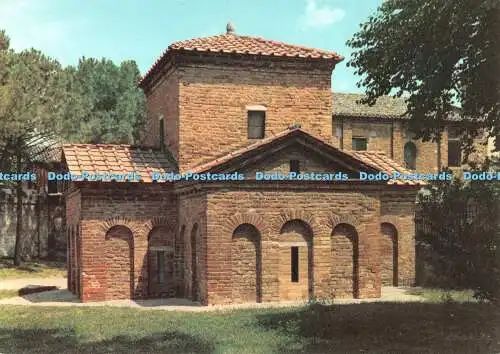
458 235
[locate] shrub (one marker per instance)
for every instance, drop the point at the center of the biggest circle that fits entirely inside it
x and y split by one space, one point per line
458 235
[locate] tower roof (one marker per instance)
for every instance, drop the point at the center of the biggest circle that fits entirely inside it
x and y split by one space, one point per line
231 43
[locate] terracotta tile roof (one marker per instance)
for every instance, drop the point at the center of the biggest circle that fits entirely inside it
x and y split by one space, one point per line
384 163
375 159
233 43
389 107
345 104
115 159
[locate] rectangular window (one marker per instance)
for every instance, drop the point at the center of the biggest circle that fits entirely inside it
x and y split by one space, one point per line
295 264
338 127
162 132
52 187
295 166
160 266
359 144
256 124
454 153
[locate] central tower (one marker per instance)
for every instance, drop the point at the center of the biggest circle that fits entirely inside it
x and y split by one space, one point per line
216 94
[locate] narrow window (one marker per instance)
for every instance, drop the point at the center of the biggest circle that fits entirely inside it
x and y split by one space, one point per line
256 124
160 259
162 132
338 130
52 187
410 155
454 148
359 144
295 166
338 127
295 264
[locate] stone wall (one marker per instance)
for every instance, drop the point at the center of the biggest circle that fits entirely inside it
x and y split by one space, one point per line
43 224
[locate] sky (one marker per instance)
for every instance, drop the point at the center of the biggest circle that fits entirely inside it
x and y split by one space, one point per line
141 29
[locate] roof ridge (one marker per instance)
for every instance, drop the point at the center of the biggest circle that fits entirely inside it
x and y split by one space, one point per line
241 44
290 44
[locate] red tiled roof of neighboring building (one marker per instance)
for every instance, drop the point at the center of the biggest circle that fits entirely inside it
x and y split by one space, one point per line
115 159
231 43
377 160
388 107
385 164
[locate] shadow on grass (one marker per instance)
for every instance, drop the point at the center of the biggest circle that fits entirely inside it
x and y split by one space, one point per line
391 328
18 340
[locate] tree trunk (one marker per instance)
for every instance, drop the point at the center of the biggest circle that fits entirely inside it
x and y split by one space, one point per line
19 216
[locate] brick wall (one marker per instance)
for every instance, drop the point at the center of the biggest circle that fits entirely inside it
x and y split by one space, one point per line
204 103
280 162
112 221
397 216
378 134
322 210
193 246
73 216
163 100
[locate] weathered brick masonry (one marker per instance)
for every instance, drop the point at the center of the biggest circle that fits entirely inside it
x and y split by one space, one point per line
248 241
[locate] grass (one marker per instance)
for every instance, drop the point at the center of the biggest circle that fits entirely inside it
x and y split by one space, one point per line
449 327
440 295
6 293
38 269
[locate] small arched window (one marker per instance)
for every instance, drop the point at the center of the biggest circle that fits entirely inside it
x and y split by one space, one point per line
410 152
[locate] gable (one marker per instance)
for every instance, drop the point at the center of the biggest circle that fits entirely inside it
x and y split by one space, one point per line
274 154
308 159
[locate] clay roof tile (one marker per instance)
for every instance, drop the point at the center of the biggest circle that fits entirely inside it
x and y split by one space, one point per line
249 45
103 158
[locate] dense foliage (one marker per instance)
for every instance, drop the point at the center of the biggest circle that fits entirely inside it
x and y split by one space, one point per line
460 235
43 105
441 53
95 102
105 106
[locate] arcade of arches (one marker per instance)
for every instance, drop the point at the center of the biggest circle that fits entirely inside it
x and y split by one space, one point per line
295 261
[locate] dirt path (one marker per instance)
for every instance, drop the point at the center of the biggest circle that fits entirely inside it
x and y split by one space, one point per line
65 298
12 284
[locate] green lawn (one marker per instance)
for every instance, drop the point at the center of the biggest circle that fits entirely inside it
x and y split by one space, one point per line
38 269
362 328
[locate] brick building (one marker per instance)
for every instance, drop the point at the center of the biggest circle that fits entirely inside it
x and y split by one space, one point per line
227 104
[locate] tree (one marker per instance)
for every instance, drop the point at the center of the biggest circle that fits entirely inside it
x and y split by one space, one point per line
95 102
441 52
461 235
105 106
32 93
